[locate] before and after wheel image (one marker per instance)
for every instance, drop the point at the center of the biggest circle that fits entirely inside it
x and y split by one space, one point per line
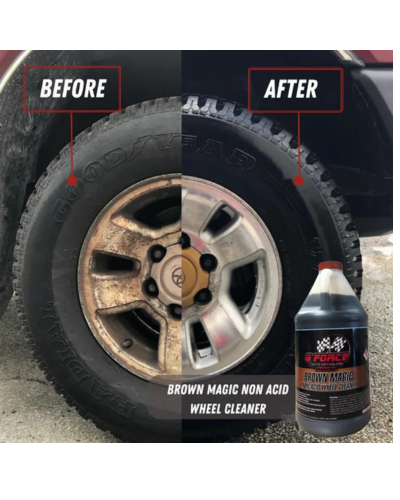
165 216
185 249
196 247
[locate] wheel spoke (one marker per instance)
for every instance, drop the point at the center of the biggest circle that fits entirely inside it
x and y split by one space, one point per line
187 352
224 325
120 241
234 246
144 235
168 235
197 211
116 294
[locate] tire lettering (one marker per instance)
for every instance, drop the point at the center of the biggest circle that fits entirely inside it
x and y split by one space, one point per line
60 211
55 334
212 147
122 407
75 192
165 140
138 147
189 141
236 156
76 368
98 391
114 158
93 172
242 159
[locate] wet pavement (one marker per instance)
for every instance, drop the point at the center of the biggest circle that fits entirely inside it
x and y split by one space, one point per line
31 411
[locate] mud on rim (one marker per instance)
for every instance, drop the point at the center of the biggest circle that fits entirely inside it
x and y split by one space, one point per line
127 293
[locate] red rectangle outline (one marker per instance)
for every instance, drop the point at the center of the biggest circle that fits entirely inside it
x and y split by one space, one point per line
119 68
297 69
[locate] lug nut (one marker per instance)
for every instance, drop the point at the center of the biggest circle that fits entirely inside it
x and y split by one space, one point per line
208 262
185 240
176 311
203 297
150 287
157 253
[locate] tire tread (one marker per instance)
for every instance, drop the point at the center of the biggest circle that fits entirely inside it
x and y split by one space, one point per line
310 166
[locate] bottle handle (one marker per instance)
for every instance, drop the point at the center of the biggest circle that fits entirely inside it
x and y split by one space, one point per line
325 276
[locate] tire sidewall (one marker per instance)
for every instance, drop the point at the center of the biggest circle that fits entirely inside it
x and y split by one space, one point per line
106 164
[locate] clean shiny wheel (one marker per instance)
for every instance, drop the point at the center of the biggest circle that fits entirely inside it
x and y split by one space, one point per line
128 277
232 279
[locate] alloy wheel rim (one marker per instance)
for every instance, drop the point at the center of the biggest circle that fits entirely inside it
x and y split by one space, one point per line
138 277
220 334
134 323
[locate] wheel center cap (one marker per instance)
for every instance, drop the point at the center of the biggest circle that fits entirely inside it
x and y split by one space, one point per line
194 277
179 276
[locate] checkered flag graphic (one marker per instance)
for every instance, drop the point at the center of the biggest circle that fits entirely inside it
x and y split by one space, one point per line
324 344
338 344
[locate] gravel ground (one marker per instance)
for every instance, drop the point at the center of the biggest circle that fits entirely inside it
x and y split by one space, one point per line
30 410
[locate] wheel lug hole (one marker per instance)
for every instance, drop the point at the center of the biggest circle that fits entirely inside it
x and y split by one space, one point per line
208 262
175 311
203 297
150 287
185 240
126 344
157 253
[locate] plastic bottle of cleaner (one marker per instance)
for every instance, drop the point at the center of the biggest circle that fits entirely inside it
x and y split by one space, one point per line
332 358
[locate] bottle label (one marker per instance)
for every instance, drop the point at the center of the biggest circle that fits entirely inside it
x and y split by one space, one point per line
332 373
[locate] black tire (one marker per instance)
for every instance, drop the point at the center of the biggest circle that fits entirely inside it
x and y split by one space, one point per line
256 159
53 227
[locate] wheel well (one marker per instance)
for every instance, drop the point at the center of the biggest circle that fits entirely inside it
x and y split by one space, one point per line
146 75
350 139
38 138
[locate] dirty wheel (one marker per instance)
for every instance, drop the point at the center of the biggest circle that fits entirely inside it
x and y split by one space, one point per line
125 277
95 267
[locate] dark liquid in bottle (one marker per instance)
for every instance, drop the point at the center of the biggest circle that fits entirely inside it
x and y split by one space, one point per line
332 360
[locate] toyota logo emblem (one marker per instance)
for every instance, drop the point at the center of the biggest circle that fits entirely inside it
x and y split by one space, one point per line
178 277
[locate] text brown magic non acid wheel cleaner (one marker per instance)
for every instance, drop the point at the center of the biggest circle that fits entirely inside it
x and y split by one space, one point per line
332 357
